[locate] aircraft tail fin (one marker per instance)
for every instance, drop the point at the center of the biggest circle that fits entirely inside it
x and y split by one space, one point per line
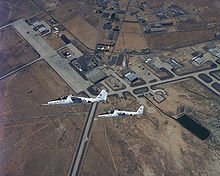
102 95
140 110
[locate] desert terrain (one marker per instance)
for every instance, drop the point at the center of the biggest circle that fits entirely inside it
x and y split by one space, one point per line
14 50
45 140
42 137
152 144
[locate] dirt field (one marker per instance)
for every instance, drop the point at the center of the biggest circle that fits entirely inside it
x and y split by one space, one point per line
173 40
14 50
92 20
66 11
131 41
13 10
190 24
131 28
54 41
211 16
123 4
41 146
179 95
145 145
83 31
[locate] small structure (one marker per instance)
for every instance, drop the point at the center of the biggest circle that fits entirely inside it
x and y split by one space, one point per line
199 60
105 15
52 21
158 29
107 26
65 39
31 20
120 59
42 29
158 98
36 24
215 52
194 54
131 77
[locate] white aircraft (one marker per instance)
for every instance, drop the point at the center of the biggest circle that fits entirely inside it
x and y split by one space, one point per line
117 113
68 100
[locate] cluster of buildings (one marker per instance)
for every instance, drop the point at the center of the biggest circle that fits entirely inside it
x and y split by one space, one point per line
172 11
41 27
215 52
200 58
156 27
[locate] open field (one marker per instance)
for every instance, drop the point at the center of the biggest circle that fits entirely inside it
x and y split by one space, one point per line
131 41
145 145
123 4
66 11
211 16
13 10
189 93
83 31
131 28
174 40
44 145
14 50
54 41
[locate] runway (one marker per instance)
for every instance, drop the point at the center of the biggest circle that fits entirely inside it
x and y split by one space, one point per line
76 164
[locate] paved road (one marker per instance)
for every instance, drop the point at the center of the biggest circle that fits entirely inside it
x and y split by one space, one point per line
60 65
5 26
76 164
175 78
20 68
120 27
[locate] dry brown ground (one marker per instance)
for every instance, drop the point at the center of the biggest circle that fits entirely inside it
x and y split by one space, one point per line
131 41
173 40
37 146
14 50
211 16
181 94
190 24
145 145
92 20
123 4
129 17
13 10
66 11
83 31
131 27
54 41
